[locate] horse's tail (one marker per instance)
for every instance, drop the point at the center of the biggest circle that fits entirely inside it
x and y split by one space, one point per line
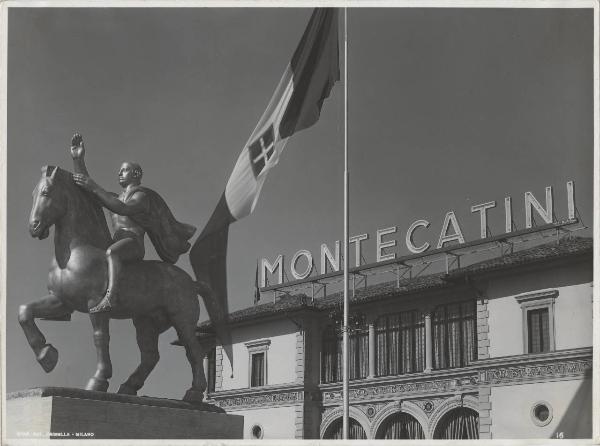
219 319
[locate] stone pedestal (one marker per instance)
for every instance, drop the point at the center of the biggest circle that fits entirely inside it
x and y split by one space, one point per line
59 412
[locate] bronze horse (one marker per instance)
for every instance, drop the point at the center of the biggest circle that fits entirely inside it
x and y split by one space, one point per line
155 295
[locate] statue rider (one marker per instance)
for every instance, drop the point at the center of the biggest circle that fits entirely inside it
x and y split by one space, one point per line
137 210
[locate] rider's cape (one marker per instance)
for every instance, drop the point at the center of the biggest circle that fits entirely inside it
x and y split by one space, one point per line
169 236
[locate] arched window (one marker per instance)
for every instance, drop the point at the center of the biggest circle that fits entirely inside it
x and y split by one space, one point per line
400 343
461 423
400 426
355 431
331 353
454 335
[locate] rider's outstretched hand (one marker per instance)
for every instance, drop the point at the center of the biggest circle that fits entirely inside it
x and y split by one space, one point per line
77 147
84 181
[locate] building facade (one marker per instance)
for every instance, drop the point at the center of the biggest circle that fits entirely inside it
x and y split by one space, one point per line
498 349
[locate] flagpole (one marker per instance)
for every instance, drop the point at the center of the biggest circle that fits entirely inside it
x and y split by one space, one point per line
346 410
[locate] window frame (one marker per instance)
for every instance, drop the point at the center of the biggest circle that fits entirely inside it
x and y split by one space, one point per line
254 348
537 300
416 324
332 333
443 325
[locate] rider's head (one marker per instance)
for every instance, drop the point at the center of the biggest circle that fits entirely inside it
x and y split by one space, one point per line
130 173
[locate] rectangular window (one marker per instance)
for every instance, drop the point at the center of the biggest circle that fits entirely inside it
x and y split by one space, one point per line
258 370
400 343
538 330
257 362
538 320
331 353
454 335
358 353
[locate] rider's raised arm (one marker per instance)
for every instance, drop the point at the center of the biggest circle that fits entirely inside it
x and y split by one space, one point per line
78 155
79 166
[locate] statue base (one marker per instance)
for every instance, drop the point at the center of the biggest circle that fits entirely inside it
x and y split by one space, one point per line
61 412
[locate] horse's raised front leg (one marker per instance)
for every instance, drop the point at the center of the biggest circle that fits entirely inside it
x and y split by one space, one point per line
147 332
99 381
49 307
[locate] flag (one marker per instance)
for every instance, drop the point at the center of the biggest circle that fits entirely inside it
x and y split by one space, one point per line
295 105
256 287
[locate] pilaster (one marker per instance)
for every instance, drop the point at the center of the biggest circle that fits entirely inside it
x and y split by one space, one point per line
299 421
301 371
218 368
483 329
485 412
428 341
300 356
371 325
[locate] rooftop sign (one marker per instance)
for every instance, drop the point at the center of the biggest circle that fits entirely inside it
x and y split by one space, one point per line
451 233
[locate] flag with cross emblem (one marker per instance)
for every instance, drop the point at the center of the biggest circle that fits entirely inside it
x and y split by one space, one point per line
261 151
295 105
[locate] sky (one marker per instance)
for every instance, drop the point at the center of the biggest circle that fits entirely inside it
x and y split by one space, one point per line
448 108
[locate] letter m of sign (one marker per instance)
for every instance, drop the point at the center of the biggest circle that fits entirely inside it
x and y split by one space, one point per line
261 150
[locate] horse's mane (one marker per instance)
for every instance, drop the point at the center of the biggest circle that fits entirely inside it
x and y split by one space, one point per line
84 201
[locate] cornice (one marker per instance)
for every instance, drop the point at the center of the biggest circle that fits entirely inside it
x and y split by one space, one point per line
508 370
404 390
261 397
528 297
462 372
536 358
441 382
520 369
535 368
287 387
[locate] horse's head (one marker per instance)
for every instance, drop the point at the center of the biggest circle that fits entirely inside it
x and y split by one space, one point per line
56 196
49 202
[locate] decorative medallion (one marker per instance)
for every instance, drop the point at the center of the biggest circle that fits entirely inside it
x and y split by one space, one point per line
428 406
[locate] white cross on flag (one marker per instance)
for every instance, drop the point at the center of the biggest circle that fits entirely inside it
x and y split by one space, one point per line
261 151
295 105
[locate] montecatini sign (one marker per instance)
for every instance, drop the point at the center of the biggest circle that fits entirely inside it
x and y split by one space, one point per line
384 239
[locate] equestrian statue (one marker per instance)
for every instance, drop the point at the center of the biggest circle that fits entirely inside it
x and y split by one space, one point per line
106 276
